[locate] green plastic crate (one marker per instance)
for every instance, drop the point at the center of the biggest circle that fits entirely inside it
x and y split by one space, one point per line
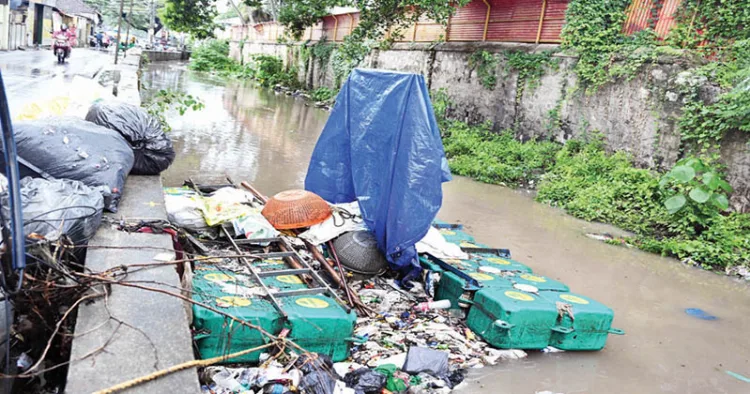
453 233
512 319
538 281
505 264
452 287
317 323
590 327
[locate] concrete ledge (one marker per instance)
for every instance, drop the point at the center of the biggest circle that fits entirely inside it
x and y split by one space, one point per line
165 56
156 333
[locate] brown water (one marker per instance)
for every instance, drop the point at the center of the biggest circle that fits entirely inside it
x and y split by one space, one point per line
256 135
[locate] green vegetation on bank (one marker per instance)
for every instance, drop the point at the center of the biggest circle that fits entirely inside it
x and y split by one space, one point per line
681 213
268 71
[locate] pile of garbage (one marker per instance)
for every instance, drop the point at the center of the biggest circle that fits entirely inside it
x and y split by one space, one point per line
402 340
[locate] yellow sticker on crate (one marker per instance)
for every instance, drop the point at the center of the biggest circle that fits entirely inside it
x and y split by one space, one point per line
533 278
290 279
229 301
574 299
218 277
467 244
517 295
447 232
313 303
480 276
498 260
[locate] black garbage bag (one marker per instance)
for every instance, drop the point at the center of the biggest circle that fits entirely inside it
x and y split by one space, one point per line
420 359
318 382
72 148
151 146
365 381
53 208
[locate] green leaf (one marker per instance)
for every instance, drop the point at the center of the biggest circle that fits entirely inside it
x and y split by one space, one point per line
711 180
700 195
725 186
720 201
675 203
683 173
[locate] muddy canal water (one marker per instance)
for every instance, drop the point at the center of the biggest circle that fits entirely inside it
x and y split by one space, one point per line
256 135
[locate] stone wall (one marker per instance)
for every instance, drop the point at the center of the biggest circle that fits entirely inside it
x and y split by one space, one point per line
638 116
166 56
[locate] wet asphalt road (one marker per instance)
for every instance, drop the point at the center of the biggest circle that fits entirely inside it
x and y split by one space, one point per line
32 74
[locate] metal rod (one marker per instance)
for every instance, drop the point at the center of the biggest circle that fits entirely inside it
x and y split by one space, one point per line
341 272
541 21
119 27
266 274
255 275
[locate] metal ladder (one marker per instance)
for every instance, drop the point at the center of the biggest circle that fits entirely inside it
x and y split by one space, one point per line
291 253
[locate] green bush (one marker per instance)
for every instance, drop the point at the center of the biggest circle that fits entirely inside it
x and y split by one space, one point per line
593 185
323 94
496 158
212 56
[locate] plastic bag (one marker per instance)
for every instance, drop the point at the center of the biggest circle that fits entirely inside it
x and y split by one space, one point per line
318 382
75 149
184 208
382 147
227 204
420 359
52 208
365 380
151 146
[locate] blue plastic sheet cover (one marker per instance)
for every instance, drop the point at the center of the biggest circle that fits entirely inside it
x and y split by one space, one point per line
382 147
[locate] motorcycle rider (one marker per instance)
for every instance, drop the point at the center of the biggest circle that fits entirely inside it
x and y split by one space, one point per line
67 33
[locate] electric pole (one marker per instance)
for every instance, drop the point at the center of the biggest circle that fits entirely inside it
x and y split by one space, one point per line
119 26
127 34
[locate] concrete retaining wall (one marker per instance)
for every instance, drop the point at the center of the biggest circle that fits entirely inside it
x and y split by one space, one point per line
164 56
637 116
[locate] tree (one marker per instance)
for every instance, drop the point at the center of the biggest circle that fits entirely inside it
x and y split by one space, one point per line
376 16
195 17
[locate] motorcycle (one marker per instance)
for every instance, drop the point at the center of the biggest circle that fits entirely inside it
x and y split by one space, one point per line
61 47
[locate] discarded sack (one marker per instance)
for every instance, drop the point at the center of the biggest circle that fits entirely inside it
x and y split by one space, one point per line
53 208
365 381
72 148
151 146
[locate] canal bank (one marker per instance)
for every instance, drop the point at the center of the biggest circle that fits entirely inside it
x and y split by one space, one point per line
127 333
267 138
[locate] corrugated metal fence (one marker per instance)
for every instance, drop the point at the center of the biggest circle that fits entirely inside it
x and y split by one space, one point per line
657 14
538 21
534 21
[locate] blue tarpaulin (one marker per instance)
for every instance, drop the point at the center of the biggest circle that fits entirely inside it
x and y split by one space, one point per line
382 147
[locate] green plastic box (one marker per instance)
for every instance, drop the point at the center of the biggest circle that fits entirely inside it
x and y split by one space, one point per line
505 264
512 319
317 322
452 287
590 326
538 281
453 233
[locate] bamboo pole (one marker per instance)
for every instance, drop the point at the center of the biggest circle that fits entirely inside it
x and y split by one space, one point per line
335 27
486 20
541 21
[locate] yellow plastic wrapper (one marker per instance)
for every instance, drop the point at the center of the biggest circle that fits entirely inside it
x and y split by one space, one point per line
56 106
